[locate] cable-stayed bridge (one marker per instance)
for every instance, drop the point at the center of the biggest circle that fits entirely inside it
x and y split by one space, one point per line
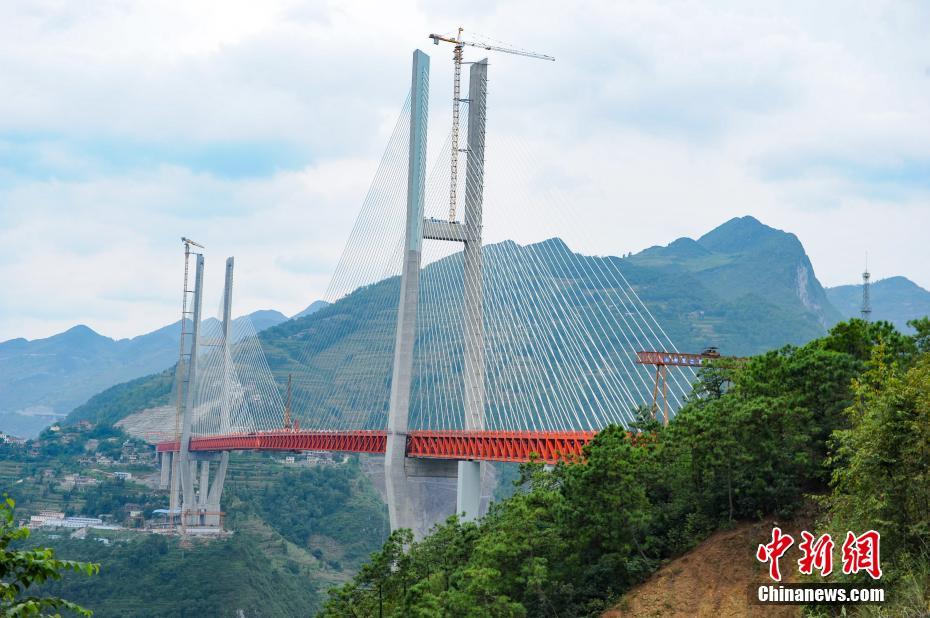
439 351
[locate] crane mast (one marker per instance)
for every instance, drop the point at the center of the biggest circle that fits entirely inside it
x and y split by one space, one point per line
456 100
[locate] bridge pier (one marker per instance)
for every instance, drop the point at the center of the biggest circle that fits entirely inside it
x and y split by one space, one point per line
165 479
208 506
468 493
204 485
205 510
213 517
468 490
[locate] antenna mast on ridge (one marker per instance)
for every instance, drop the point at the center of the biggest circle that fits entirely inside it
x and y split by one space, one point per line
866 299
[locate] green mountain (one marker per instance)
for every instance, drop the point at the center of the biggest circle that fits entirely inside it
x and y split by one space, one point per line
310 309
44 379
895 299
760 285
743 287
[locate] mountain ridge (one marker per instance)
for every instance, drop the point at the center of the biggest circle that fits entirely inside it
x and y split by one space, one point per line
896 299
743 287
310 309
743 256
44 379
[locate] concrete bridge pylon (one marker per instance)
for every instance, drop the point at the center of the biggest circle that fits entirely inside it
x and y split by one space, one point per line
404 476
200 505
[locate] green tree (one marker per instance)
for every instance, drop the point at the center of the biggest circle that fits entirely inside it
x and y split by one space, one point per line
858 337
881 478
608 515
714 378
21 569
380 587
922 335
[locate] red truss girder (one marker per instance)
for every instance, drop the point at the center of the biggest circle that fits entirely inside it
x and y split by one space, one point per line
342 441
515 446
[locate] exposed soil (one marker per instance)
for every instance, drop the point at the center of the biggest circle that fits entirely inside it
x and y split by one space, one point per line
716 578
152 424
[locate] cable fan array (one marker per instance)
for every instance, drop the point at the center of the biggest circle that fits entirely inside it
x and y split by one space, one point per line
234 390
560 329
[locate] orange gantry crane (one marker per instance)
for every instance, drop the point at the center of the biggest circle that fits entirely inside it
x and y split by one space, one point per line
664 360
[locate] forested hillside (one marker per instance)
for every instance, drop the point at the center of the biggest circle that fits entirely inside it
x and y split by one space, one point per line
819 420
295 532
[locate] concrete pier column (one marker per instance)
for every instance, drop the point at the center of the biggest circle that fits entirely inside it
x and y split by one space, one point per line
165 470
174 485
227 326
204 486
216 491
468 490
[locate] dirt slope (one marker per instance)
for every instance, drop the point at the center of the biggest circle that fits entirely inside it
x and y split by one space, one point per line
151 424
713 579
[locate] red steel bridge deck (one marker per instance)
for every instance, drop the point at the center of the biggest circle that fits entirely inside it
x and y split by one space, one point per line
515 446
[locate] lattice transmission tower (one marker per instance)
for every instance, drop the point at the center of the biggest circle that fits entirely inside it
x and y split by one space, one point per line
866 299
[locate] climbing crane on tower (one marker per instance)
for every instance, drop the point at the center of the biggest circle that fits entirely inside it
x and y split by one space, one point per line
456 97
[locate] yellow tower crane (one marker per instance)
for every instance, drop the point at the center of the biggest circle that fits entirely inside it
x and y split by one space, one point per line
456 96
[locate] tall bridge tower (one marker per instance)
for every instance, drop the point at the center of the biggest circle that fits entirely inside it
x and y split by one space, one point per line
399 470
198 506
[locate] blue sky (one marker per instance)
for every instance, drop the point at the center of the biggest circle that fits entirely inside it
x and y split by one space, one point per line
256 127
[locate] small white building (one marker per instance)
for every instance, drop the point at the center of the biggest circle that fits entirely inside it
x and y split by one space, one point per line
79 522
37 521
8 439
74 522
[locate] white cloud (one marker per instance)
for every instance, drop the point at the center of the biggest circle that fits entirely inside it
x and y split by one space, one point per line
657 120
